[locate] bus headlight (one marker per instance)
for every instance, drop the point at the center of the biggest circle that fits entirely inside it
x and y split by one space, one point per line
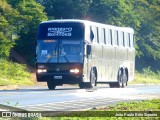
41 70
74 70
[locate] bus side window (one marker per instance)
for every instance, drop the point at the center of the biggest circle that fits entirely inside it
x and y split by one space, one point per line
131 40
110 38
108 33
113 37
123 38
127 39
103 36
107 36
97 29
120 38
95 33
91 34
116 37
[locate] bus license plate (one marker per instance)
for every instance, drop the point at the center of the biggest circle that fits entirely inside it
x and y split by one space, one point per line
57 77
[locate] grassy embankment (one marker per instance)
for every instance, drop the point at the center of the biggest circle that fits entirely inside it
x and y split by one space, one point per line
14 74
129 110
147 77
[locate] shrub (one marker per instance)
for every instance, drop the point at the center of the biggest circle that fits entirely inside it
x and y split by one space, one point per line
13 74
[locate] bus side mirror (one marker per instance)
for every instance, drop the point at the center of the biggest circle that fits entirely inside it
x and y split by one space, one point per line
89 49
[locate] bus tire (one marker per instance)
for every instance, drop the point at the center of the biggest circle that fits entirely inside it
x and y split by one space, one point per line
120 83
125 77
93 77
51 85
82 85
120 79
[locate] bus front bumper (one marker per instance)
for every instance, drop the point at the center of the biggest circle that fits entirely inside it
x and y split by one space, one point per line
59 78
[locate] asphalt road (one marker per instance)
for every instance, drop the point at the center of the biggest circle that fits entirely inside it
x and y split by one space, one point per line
69 98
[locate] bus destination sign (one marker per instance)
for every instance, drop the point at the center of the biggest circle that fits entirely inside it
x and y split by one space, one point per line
59 31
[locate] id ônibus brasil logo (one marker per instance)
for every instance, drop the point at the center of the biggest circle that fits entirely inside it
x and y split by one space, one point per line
61 31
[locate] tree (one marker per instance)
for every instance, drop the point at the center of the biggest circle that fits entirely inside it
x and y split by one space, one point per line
31 14
66 9
115 12
149 34
7 28
23 16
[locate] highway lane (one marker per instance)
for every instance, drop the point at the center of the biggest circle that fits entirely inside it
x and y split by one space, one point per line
68 98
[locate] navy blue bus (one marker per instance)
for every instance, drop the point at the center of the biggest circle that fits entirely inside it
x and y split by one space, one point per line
85 53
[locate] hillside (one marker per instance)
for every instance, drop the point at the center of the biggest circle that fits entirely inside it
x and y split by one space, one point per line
20 19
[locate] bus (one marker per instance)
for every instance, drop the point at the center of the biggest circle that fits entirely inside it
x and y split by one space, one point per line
73 51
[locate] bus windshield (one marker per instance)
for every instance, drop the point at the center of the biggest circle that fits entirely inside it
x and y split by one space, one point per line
61 51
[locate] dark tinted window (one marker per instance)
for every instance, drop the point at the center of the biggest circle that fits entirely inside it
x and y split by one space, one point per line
116 37
97 34
108 36
103 36
132 40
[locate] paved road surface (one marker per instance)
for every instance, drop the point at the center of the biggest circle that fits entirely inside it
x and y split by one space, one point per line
68 98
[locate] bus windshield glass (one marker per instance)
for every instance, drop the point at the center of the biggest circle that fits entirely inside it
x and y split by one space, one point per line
61 51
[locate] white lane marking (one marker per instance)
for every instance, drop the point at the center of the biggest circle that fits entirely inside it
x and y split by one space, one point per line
83 103
70 105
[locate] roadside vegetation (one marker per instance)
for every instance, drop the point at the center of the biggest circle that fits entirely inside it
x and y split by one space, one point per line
18 25
14 74
147 76
19 20
144 105
141 107
141 78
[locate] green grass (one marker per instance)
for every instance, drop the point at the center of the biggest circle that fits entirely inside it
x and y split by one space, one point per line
142 78
14 74
144 105
124 108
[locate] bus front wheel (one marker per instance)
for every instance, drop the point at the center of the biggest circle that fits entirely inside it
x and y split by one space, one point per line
82 85
93 80
93 77
51 85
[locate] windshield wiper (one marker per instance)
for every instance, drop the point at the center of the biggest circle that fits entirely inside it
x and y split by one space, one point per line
50 57
65 58
54 54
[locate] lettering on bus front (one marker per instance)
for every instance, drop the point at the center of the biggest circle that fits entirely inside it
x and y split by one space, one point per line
52 31
61 31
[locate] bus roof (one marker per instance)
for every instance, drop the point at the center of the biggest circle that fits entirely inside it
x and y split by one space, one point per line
87 22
